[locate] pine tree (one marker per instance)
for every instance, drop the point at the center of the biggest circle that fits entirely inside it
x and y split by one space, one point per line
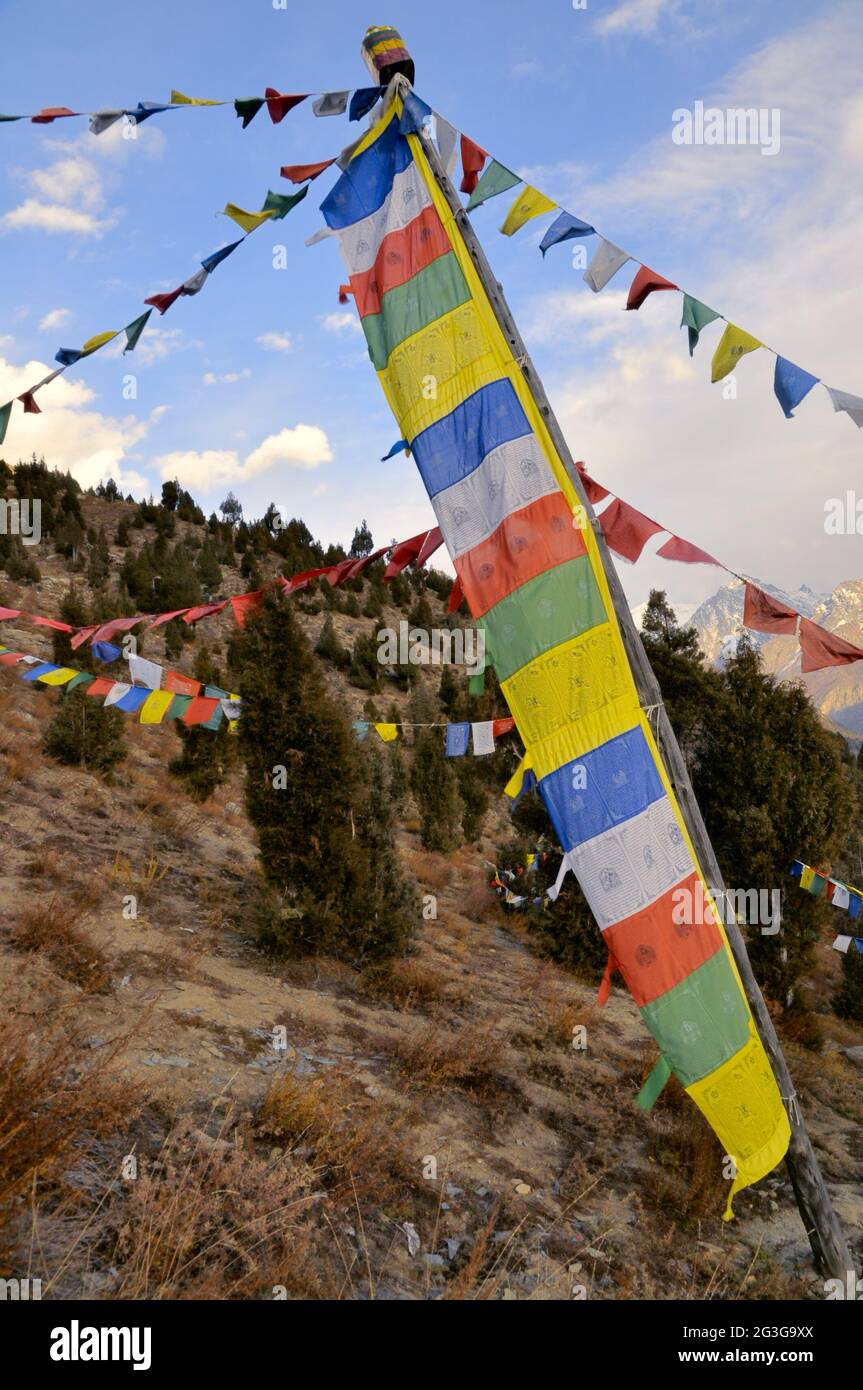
848 999
324 831
329 647
433 780
83 733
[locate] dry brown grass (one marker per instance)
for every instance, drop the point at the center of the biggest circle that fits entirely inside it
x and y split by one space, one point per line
142 880
437 1057
56 1095
51 928
405 984
356 1144
434 871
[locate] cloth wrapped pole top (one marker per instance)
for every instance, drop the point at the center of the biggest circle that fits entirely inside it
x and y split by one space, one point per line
532 574
385 53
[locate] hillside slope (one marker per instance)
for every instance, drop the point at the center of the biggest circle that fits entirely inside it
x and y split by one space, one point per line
223 1125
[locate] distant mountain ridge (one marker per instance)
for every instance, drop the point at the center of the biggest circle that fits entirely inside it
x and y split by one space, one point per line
837 692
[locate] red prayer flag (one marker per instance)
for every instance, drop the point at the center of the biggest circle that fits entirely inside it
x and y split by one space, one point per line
502 726
202 708
821 648
11 658
765 614
299 173
344 292
279 105
432 542
627 530
594 490
337 574
456 594
645 282
29 404
244 604
162 618
687 553
10 613
303 580
473 157
180 684
364 562
204 610
52 113
100 686
109 630
403 553
163 302
81 636
52 623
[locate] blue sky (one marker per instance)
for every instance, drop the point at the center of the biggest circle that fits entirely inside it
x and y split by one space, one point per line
261 383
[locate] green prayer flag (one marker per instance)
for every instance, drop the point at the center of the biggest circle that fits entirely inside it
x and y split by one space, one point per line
134 330
496 179
5 412
650 1091
476 684
178 706
11 118
82 678
695 317
247 108
280 204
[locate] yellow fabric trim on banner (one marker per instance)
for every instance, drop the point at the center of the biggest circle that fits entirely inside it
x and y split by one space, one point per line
60 677
529 203
755 1135
728 1103
387 732
513 786
156 706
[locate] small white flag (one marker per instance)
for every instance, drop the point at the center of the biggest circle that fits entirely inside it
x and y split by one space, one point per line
841 896
447 136
195 282
565 866
103 120
147 673
842 943
117 691
330 103
606 262
483 737
852 405
319 235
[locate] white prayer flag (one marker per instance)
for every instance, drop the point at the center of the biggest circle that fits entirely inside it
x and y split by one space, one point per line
195 282
447 135
841 896
606 262
553 891
117 691
852 405
147 673
103 120
842 943
330 103
483 737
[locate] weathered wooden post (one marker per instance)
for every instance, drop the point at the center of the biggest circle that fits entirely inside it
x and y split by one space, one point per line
828 1244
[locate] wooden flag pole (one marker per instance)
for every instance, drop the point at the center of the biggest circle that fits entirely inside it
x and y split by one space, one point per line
829 1247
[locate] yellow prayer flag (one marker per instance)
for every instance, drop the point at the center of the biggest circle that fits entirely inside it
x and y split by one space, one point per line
387 732
178 99
734 344
513 786
806 877
247 220
99 340
155 707
60 677
529 203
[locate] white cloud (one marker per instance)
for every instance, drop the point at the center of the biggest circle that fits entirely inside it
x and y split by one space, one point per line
68 432
341 323
55 318
54 218
276 342
227 379
635 16
303 447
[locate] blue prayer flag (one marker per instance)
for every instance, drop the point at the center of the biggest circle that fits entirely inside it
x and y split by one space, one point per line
791 384
564 228
362 102
457 738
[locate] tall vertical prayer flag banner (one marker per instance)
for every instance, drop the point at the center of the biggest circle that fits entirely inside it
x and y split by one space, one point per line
531 572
